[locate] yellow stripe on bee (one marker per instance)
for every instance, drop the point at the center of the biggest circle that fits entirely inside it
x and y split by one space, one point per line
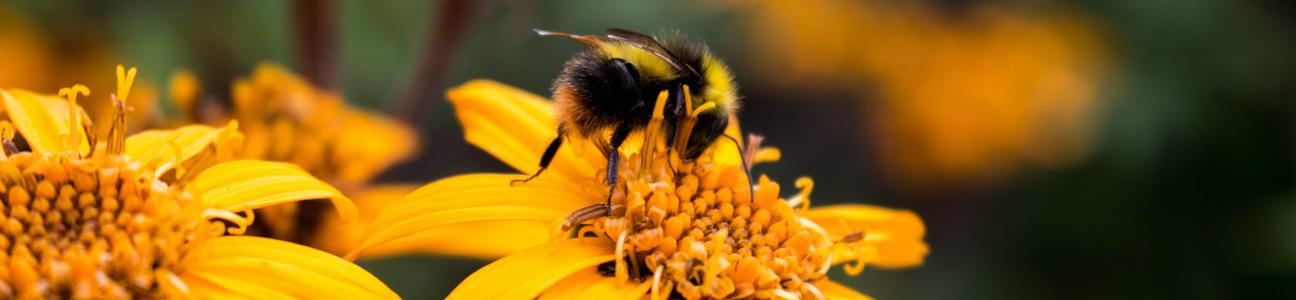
720 88
649 65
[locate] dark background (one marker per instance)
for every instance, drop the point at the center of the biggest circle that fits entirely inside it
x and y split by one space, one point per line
1184 189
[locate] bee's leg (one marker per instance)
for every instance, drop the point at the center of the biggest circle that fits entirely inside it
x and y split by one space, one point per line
544 159
614 158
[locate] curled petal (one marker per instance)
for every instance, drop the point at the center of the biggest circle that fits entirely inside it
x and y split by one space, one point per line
151 148
516 126
43 121
250 184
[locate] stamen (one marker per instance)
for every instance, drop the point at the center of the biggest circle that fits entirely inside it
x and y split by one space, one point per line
853 237
814 291
117 131
685 129
622 273
174 163
781 293
802 198
753 146
688 101
653 133
856 268
171 283
125 79
701 109
240 222
587 213
827 264
73 139
656 286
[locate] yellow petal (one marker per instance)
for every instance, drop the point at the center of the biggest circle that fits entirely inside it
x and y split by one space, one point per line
369 201
836 291
516 126
250 184
370 143
477 199
229 288
485 240
726 153
475 240
527 274
589 284
239 263
896 234
42 120
154 147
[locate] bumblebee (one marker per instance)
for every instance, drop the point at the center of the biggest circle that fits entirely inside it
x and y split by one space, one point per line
616 83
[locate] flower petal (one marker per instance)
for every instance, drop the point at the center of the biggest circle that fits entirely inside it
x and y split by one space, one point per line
835 291
370 143
369 202
896 234
42 120
153 147
230 288
474 239
477 199
516 126
589 284
238 263
527 274
250 184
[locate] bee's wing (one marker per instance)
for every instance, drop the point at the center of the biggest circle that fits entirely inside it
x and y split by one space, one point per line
588 40
650 44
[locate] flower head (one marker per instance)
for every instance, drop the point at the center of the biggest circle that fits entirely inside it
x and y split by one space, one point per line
686 229
285 118
1017 87
157 214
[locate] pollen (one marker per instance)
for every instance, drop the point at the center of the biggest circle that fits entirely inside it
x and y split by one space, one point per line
75 228
697 230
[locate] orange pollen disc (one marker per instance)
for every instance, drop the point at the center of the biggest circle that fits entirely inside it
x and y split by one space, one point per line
91 228
696 231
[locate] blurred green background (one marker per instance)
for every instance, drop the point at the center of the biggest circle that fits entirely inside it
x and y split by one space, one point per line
1055 149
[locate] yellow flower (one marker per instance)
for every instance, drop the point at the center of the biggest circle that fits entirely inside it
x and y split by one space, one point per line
155 215
37 59
961 96
287 119
684 229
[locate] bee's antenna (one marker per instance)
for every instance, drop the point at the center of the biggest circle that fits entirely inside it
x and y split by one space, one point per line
751 196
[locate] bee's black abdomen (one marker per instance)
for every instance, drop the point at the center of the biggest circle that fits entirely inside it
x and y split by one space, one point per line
602 92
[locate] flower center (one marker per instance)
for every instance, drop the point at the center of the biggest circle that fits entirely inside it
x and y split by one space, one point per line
89 228
695 230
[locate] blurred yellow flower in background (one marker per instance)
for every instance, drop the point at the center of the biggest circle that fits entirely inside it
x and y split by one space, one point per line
675 229
285 118
39 61
961 94
155 215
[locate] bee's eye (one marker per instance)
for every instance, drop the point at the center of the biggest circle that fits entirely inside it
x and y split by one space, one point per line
628 75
